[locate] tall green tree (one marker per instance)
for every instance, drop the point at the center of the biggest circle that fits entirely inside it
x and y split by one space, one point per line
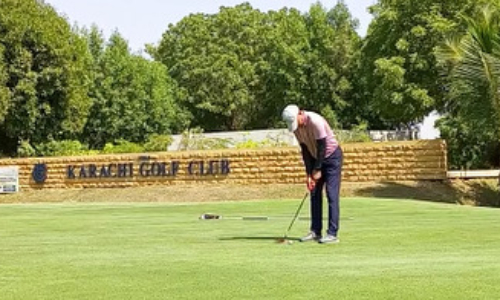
474 60
400 77
43 75
133 97
473 64
213 59
325 84
334 42
307 62
239 68
282 79
309 59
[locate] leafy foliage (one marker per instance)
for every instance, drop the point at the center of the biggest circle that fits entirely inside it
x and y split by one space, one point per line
358 134
26 150
122 146
133 97
472 126
468 147
213 58
63 148
400 77
43 74
158 143
239 68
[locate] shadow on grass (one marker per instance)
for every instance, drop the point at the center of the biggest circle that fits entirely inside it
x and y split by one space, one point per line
263 238
471 192
486 194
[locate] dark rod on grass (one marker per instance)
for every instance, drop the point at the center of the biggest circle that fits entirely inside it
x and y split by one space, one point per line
219 217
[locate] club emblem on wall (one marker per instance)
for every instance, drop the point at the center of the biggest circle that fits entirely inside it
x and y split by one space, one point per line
39 173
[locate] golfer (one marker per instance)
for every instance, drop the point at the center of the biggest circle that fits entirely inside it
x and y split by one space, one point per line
322 157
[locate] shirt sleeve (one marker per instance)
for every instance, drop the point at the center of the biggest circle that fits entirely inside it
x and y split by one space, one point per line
321 146
309 161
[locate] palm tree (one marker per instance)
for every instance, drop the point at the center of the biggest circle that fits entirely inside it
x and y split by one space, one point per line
474 61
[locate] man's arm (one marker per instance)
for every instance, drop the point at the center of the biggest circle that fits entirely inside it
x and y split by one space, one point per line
320 153
307 158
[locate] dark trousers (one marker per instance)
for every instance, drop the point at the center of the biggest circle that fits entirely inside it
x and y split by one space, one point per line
331 172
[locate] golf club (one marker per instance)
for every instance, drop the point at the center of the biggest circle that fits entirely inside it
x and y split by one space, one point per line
220 217
285 236
212 216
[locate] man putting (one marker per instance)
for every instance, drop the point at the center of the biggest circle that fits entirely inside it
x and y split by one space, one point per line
322 157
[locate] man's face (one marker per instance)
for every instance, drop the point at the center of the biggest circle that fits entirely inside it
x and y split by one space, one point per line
301 119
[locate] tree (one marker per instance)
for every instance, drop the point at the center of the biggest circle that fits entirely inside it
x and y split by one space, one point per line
213 59
325 83
474 60
307 62
473 65
400 77
43 75
240 67
342 58
133 97
281 71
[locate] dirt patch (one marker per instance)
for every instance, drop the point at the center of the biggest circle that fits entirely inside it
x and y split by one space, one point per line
472 192
202 193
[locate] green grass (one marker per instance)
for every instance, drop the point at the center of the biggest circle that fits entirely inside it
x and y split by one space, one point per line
390 249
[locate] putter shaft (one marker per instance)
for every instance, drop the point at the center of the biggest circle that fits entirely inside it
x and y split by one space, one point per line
295 217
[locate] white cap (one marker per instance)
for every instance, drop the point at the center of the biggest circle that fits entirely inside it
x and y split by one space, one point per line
290 114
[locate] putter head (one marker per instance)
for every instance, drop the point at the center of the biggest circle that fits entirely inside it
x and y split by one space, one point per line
284 241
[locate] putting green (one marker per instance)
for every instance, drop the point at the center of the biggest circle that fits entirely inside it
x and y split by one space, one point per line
389 249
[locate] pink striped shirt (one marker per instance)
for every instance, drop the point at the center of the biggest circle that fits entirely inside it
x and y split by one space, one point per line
316 128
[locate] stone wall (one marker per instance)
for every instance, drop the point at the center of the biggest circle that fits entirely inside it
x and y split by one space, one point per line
388 161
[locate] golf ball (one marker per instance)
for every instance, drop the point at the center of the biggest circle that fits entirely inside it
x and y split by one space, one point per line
290 242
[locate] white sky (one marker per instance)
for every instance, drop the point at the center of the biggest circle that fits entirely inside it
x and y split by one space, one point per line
144 21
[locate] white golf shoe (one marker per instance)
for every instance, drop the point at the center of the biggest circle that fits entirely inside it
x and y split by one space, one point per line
311 236
328 239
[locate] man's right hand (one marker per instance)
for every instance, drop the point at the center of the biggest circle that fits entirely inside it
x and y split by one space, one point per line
311 184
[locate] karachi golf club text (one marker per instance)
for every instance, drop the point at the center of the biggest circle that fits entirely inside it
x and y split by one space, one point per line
148 169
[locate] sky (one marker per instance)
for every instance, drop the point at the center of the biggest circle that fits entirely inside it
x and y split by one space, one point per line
144 21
